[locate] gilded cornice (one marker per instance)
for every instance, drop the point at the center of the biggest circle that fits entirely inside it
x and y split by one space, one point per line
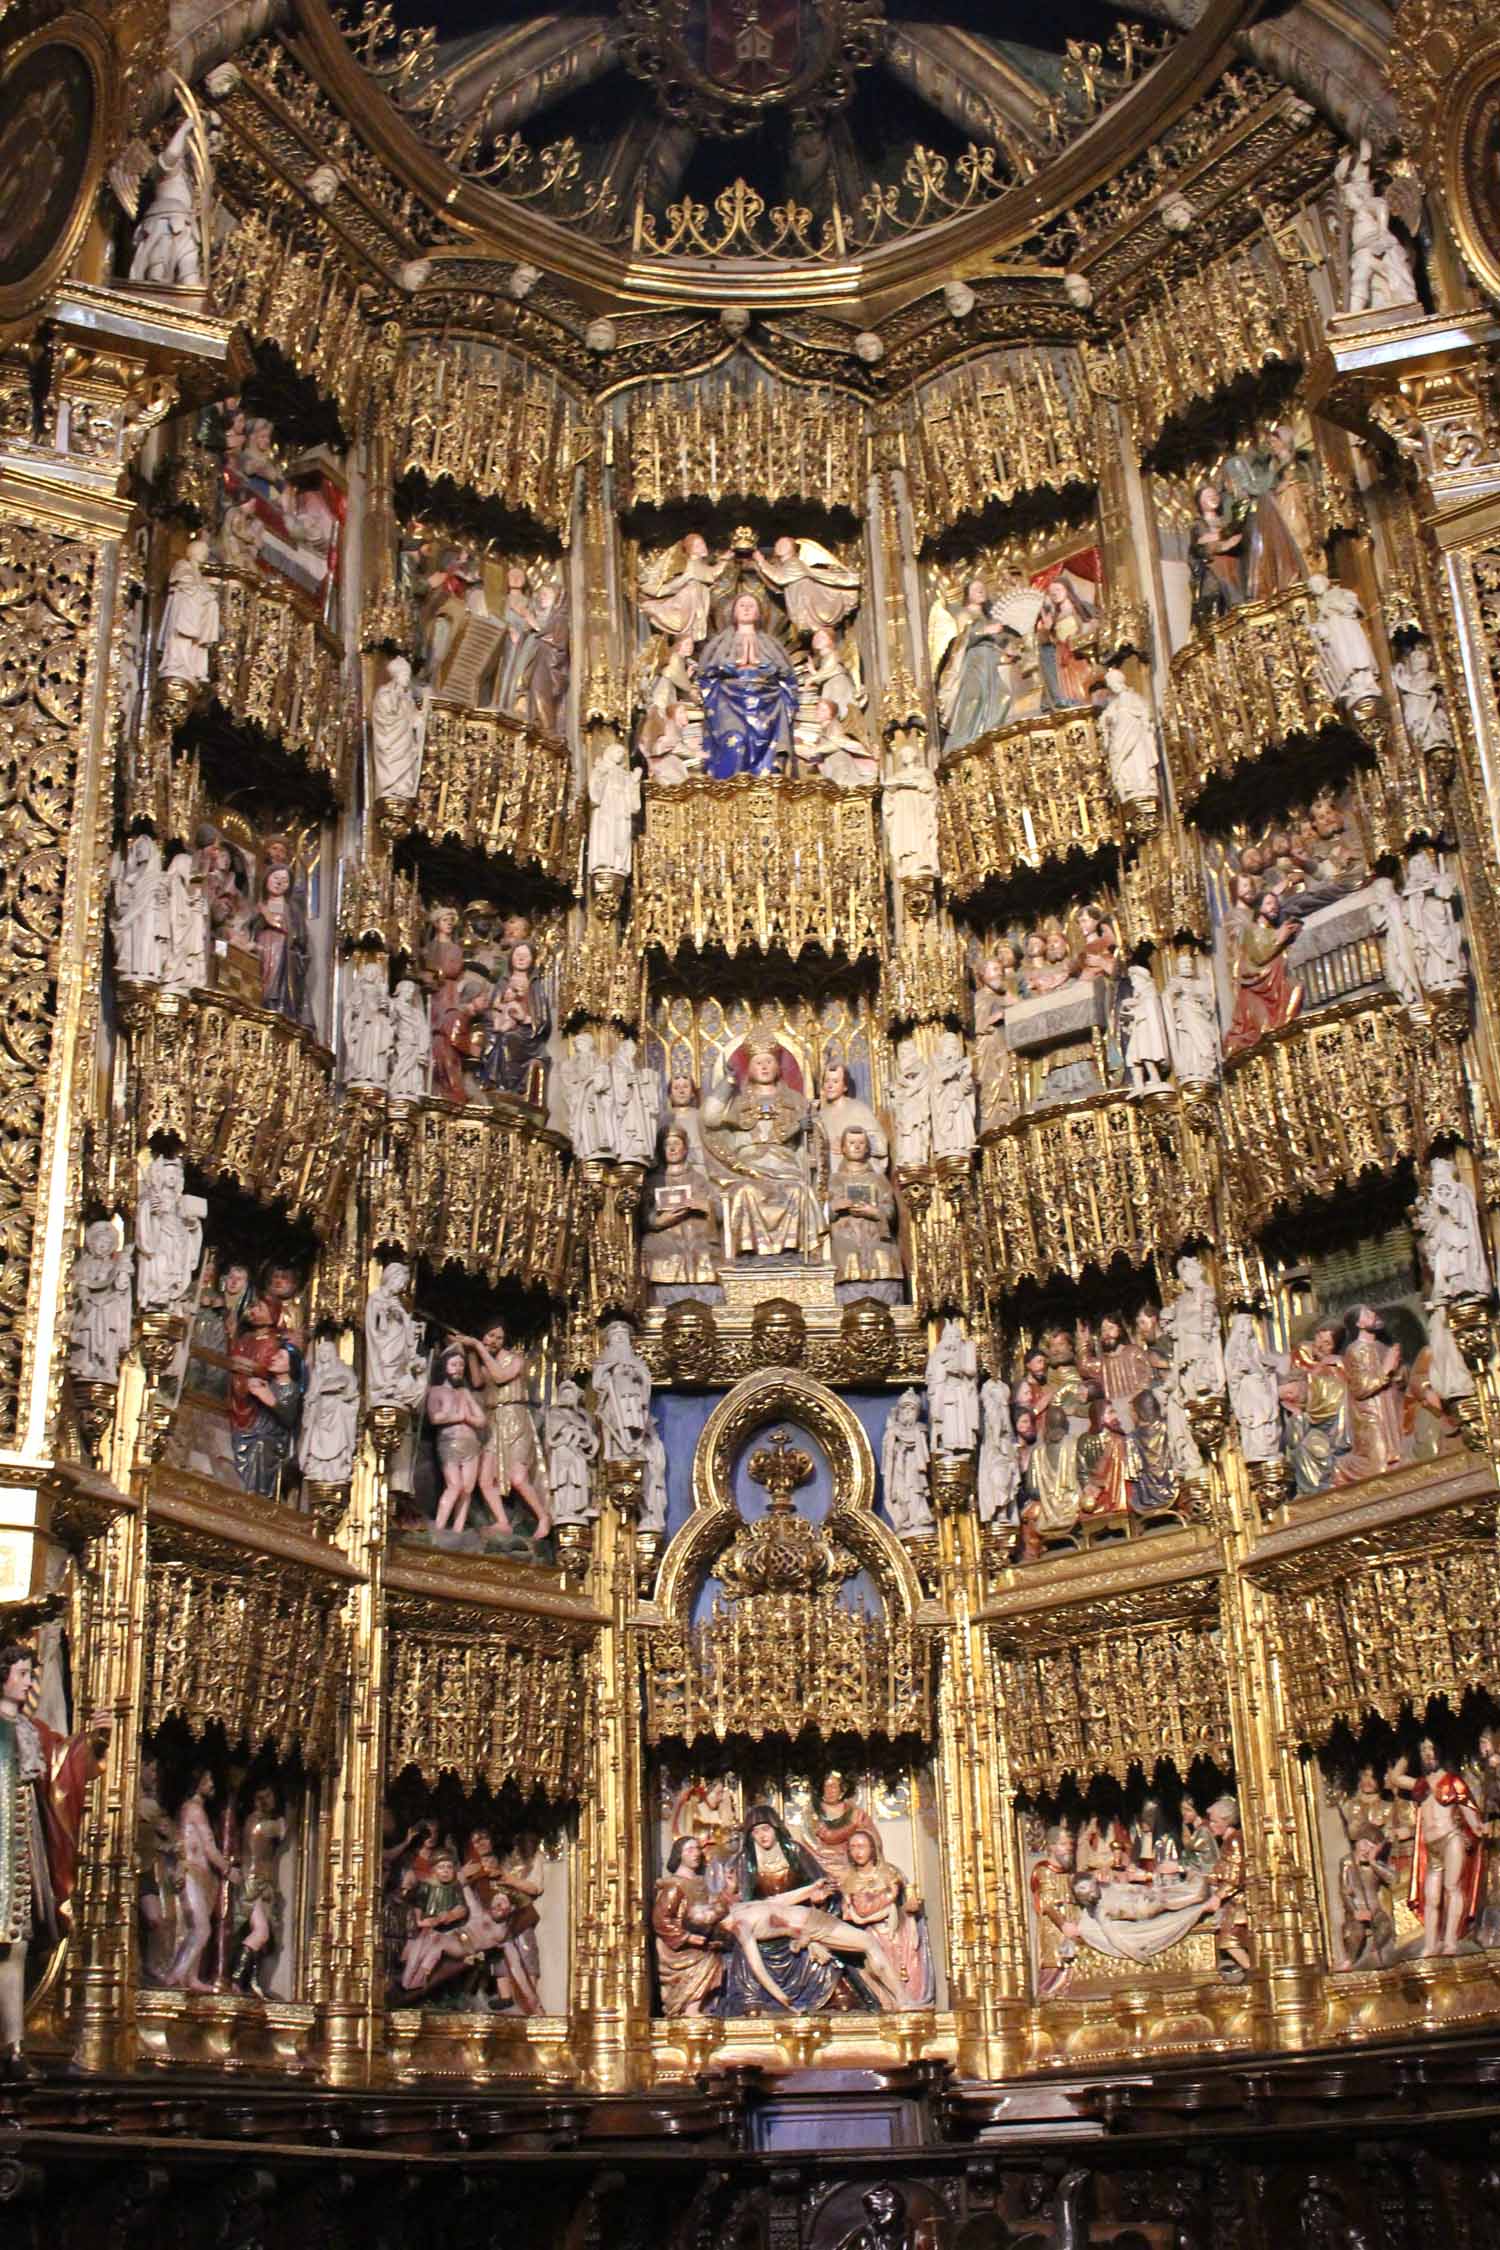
194 1520
1413 1512
1175 1574
869 286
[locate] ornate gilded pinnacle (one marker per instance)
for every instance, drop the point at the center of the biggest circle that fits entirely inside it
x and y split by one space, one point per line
780 1467
783 1553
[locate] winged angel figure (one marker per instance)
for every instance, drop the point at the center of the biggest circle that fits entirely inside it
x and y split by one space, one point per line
170 245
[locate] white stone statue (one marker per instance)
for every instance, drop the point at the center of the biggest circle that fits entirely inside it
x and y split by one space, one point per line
1148 1055
570 1443
1127 729
138 912
953 1392
636 1096
185 959
1424 708
1345 656
330 1417
910 805
398 729
911 1108
615 795
168 1237
167 249
999 1462
242 535
189 618
395 1363
411 1044
1192 1320
950 1078
1428 905
622 1396
99 1327
1398 958
903 1469
367 1024
1253 1390
1192 1022
654 1482
1380 268
589 1102
1452 1237
1447 1372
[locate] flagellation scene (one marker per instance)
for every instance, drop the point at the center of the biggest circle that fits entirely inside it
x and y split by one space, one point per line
750 1072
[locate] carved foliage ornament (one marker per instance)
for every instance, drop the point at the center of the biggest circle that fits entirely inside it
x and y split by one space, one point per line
721 66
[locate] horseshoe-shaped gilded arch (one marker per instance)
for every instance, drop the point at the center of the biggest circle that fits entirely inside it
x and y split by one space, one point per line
780 1394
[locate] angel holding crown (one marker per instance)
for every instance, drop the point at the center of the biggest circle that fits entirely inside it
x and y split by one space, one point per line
816 587
675 592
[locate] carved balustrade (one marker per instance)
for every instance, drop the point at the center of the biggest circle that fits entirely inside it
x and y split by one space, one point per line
784 1663
1243 686
494 1694
1100 1687
244 1619
279 669
1315 1106
487 1190
1389 1596
249 1095
1029 794
783 865
497 787
1108 1178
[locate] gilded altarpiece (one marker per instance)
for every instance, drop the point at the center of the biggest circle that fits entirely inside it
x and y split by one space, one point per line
749 1092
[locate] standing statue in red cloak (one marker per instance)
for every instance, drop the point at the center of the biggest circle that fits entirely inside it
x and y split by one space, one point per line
43 1778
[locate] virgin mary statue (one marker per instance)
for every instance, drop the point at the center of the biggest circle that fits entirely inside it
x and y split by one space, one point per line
749 695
